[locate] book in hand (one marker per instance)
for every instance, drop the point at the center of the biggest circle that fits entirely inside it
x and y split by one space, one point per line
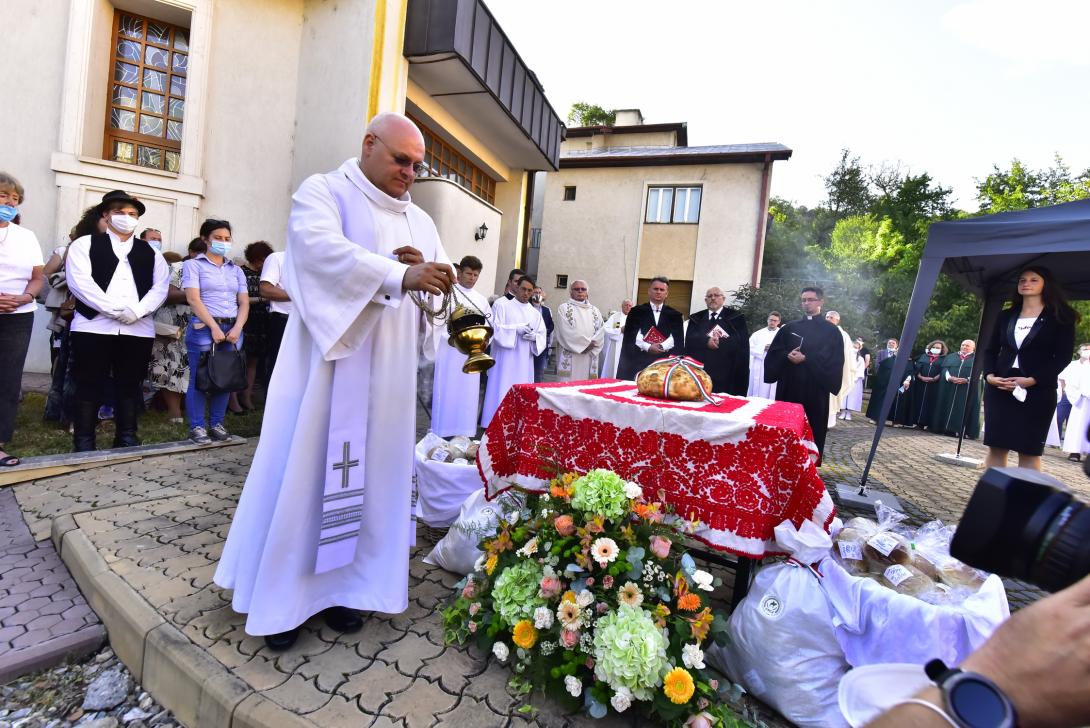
717 333
653 336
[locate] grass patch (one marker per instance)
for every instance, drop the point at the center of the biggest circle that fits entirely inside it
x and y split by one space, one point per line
35 436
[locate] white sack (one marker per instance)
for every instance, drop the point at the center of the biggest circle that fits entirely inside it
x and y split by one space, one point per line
442 488
457 551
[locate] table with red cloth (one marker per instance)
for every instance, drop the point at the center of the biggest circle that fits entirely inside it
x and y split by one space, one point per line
734 469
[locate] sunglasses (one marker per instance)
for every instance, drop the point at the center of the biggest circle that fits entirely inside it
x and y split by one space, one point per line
419 168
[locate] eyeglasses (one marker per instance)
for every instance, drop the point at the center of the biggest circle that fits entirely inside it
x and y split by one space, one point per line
810 300
714 295
579 289
419 168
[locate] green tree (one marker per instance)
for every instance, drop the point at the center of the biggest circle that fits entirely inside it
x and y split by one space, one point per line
848 187
584 114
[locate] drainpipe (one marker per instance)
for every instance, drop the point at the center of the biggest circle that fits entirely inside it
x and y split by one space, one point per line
762 220
523 251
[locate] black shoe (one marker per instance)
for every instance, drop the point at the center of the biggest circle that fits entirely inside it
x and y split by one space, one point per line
1074 457
83 426
126 415
343 619
282 640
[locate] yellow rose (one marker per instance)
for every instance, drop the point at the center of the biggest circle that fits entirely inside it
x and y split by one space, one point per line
678 685
524 634
569 596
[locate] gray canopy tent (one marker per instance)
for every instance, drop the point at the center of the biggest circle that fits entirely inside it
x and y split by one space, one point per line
985 255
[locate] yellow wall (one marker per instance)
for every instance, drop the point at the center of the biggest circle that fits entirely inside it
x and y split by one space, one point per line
608 141
668 250
441 121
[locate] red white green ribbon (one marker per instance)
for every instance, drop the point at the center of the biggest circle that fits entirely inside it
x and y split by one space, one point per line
687 365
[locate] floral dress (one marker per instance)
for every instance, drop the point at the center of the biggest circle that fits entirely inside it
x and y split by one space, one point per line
169 366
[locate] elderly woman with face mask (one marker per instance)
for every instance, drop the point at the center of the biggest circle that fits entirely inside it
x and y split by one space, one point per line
926 378
216 291
20 280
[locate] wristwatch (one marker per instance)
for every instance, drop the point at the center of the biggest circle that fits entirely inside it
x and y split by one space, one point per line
972 700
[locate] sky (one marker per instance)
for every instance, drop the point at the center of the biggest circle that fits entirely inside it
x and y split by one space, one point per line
948 88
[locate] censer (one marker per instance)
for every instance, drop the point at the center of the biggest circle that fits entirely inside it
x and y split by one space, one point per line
467 326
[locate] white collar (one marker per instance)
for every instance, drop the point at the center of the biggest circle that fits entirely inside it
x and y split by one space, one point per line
397 205
581 304
116 239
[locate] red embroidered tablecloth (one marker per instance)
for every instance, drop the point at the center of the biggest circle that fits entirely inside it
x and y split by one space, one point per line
737 468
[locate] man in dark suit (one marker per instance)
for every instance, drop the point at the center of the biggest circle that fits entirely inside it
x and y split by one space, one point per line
653 330
719 338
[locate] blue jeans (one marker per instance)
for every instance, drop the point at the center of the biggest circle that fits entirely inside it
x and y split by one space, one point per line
195 400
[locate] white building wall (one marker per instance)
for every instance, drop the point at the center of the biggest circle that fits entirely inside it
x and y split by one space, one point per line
457 214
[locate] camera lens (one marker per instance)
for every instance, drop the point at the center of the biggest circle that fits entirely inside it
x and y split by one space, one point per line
1024 524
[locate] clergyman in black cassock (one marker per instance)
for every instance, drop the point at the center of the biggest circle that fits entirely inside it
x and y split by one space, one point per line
926 378
641 319
902 400
725 355
954 394
810 380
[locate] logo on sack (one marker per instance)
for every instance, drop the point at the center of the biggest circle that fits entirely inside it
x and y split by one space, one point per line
771 606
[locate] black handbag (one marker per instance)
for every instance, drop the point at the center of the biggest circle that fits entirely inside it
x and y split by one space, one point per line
222 369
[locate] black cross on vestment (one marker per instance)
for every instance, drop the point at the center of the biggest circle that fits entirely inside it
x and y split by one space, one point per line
344 465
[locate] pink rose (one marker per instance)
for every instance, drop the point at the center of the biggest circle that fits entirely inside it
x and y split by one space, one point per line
660 546
550 587
565 526
469 590
602 608
569 638
590 581
607 581
713 684
474 608
700 720
472 627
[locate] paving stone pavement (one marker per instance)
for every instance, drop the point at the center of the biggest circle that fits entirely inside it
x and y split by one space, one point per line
155 528
43 616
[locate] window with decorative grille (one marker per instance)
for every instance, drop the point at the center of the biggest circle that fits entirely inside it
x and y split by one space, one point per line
146 93
443 160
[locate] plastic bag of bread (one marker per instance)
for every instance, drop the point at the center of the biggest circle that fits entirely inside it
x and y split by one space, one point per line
907 580
679 378
848 547
458 446
441 453
931 548
471 451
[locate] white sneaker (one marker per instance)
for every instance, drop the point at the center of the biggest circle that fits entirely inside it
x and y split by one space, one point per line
200 436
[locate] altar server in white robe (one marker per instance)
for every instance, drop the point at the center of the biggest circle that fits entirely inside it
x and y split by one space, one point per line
611 346
836 401
758 348
324 521
518 335
456 396
580 333
1076 380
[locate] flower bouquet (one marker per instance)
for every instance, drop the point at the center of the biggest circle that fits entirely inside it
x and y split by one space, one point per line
586 592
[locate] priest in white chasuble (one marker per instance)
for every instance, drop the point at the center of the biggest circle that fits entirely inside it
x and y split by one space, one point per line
759 343
837 399
456 395
611 346
518 335
580 333
324 521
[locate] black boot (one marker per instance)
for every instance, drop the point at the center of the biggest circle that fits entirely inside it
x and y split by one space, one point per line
126 413
83 426
343 619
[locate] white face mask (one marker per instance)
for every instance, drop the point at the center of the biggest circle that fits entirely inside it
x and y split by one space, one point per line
124 224
157 244
936 350
1084 354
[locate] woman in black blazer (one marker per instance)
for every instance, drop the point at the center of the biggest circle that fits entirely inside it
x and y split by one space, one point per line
1030 345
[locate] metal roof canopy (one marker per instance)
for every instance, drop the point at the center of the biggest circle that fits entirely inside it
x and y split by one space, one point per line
985 255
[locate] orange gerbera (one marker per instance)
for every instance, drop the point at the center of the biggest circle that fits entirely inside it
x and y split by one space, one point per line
569 596
678 685
559 491
524 634
490 564
688 602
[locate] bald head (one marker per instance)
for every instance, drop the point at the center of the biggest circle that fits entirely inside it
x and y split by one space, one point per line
392 145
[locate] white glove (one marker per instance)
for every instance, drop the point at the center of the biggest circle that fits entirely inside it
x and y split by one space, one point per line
529 335
126 316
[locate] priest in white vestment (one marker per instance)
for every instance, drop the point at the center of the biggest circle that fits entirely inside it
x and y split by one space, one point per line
1076 383
611 346
518 335
836 401
758 348
580 333
325 518
456 395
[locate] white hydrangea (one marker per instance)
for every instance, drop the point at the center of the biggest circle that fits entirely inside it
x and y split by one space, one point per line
584 598
501 651
693 657
573 685
622 699
632 490
543 618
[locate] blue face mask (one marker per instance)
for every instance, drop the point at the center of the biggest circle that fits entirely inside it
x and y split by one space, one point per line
8 213
220 247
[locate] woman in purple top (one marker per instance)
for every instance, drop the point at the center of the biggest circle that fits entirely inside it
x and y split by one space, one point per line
215 289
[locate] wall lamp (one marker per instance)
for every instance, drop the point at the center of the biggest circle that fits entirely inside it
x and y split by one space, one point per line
481 232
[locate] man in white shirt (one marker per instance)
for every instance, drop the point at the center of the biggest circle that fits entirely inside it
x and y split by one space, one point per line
652 331
518 335
272 290
118 281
